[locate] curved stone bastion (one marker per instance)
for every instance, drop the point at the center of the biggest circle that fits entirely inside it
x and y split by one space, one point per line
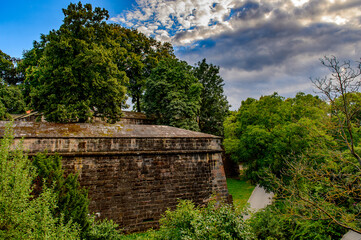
133 173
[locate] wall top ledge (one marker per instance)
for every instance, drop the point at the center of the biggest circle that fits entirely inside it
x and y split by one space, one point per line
98 130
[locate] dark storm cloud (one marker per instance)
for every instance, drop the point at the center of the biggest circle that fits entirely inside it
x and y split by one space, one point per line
270 45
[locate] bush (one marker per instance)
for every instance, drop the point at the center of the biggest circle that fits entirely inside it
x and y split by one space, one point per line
215 221
22 214
102 230
272 223
71 199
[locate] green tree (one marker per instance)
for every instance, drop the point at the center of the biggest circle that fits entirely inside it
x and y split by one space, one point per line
214 105
20 213
28 65
264 132
9 72
12 99
341 90
141 55
173 94
324 181
77 74
72 200
323 184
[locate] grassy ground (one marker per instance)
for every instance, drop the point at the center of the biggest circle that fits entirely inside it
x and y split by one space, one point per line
240 191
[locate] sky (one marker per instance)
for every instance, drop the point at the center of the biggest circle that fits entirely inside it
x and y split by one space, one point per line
261 46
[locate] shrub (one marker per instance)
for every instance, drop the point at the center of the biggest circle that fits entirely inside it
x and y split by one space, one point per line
273 223
71 199
102 230
22 214
215 221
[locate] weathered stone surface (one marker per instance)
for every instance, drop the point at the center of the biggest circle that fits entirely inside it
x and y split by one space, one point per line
133 172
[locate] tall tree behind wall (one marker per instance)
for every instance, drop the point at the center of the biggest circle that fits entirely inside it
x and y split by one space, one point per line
11 97
141 56
173 95
214 105
265 132
77 74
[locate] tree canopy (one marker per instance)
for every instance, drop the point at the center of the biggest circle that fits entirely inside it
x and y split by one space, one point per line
173 94
9 73
142 54
307 151
262 133
77 77
214 105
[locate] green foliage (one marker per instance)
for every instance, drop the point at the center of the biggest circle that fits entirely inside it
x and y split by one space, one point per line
20 213
274 222
9 72
92 61
71 199
264 132
215 221
3 114
214 104
102 230
12 99
173 94
324 184
140 55
77 77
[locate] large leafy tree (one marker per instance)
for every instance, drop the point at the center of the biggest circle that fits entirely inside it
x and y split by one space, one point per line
214 104
326 181
28 65
9 71
141 54
264 132
11 98
323 181
173 94
77 77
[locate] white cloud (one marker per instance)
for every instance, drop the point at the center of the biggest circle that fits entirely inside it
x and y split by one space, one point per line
195 20
261 46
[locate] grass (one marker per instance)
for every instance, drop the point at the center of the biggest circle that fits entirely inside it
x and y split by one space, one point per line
240 190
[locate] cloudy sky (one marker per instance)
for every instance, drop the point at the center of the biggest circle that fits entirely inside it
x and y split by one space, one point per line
260 46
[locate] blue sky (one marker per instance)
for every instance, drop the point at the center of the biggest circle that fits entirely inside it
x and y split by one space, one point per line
22 21
261 46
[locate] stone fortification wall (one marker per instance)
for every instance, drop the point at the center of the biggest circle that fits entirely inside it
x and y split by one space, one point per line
133 172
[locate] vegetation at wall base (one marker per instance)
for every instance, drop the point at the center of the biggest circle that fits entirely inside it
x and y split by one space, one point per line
72 200
214 221
39 202
20 213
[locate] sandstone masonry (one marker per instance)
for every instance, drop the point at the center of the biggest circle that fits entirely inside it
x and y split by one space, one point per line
133 173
